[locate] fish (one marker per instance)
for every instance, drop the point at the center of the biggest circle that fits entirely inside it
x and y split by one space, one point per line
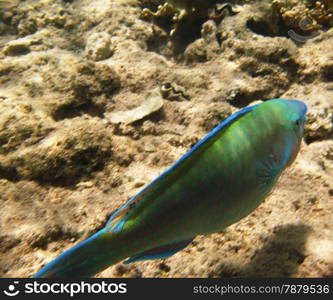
219 181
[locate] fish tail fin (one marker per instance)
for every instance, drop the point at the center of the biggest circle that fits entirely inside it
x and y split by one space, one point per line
89 257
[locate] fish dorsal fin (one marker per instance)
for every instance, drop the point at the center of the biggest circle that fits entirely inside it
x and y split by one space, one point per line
119 217
160 252
223 125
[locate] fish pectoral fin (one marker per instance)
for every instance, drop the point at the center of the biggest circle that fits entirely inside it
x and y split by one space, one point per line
267 171
160 252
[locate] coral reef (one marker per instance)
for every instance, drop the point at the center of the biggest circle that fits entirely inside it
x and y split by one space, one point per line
188 16
307 16
66 66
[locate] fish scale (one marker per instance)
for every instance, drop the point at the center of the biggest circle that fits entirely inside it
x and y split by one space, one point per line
220 180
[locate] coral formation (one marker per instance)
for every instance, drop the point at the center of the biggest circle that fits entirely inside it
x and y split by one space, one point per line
188 16
181 10
307 16
66 65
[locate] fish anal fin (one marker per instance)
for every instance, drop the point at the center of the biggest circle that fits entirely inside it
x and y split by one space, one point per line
160 252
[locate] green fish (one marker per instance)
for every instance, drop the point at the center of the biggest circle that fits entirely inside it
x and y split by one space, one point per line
222 179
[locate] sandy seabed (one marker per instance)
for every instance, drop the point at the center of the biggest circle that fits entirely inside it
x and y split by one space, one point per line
65 167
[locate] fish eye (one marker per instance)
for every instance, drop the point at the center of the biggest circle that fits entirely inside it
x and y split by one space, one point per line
297 120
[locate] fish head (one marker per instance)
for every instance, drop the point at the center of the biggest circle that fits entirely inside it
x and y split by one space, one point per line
296 116
293 118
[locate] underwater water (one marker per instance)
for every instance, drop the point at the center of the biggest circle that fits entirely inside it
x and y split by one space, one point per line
99 97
